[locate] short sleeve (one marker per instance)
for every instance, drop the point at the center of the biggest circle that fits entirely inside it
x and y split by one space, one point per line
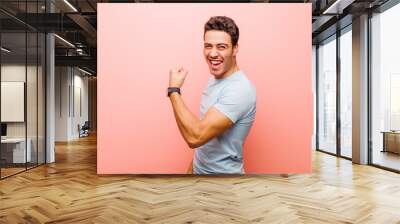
235 101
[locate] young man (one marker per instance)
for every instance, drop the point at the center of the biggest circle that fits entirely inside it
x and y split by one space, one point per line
228 104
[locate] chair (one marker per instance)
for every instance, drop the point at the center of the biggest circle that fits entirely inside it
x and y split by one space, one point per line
84 130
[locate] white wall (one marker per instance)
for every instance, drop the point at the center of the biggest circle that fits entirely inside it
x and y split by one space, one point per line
62 81
71 93
81 84
14 72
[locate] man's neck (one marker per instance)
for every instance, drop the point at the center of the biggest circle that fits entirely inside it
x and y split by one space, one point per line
228 73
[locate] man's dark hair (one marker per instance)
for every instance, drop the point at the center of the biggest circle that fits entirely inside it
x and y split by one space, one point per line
225 24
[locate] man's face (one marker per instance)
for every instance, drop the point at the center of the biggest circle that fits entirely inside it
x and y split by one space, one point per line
219 52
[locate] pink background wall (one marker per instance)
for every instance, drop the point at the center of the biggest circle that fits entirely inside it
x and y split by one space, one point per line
139 43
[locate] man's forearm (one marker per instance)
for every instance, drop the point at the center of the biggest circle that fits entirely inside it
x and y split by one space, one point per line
188 123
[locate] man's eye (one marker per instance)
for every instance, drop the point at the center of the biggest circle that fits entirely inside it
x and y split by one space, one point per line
221 47
207 47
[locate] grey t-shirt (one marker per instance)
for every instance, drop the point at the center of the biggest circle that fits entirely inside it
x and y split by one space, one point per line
235 97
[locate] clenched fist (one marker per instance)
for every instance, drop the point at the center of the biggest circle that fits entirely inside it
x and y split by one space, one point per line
177 77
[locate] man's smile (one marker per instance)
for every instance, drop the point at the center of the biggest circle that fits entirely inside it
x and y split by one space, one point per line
215 63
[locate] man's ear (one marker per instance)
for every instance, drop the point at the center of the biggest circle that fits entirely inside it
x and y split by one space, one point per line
235 49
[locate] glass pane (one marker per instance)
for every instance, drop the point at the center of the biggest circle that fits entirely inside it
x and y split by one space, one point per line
32 95
41 98
314 76
386 89
327 96
13 86
22 88
31 85
346 93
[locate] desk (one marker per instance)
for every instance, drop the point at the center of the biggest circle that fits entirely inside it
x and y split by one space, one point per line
15 148
391 141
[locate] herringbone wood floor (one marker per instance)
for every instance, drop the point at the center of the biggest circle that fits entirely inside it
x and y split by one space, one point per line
69 191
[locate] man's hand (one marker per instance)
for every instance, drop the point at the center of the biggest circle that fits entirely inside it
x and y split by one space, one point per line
177 77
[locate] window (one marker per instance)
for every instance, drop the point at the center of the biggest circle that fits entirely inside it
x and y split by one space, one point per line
385 88
327 95
346 92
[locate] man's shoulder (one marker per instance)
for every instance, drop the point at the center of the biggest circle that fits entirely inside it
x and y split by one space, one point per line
240 90
242 83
